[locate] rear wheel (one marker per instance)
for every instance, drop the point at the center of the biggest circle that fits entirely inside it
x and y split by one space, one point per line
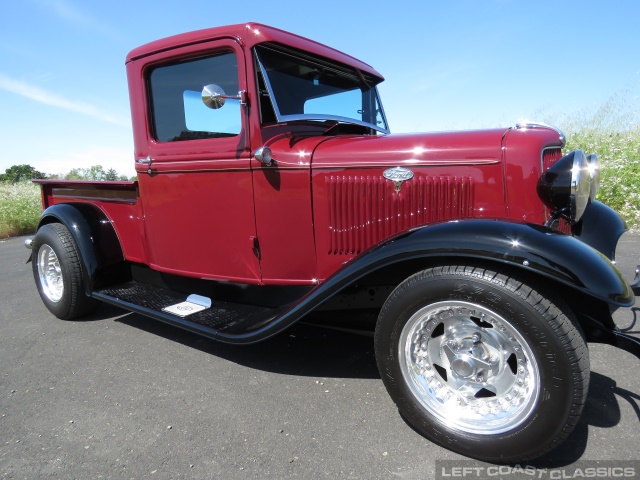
482 363
57 270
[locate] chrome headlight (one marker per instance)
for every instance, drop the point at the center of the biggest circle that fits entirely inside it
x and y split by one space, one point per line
594 173
567 186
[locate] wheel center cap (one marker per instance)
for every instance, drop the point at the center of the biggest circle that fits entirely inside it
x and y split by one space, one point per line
463 366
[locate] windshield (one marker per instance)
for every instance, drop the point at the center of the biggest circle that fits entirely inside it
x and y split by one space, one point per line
299 86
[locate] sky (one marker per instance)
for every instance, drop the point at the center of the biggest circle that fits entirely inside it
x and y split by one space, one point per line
448 65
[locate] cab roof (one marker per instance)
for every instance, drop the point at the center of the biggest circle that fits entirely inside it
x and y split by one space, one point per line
249 35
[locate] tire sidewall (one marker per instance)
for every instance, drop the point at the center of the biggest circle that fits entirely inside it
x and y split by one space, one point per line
49 236
555 396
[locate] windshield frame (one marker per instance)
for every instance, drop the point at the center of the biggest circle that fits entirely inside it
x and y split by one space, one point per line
281 118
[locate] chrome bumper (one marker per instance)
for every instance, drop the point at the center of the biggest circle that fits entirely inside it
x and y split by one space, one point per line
635 286
625 342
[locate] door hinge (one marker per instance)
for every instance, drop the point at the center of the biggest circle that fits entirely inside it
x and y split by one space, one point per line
255 246
244 98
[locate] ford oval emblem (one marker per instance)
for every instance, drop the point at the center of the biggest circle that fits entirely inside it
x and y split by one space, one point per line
397 175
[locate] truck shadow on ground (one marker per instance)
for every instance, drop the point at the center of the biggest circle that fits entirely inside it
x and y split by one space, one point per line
306 350
632 328
302 350
602 410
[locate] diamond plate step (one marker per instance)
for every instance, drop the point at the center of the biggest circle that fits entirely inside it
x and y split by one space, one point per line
148 300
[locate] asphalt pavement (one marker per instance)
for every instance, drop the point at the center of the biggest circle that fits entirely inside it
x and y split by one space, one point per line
122 396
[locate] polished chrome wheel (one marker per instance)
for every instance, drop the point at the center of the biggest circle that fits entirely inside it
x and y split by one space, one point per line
50 273
469 367
489 365
58 272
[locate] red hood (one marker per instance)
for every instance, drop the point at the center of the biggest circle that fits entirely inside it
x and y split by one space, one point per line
476 147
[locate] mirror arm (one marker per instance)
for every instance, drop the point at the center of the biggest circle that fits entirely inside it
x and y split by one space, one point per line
242 96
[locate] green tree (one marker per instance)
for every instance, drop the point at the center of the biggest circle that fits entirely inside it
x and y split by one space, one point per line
96 172
111 175
20 173
76 174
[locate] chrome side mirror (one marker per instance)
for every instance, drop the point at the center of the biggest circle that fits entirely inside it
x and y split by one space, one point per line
213 96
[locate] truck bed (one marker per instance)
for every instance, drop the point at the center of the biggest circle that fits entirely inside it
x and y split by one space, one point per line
117 202
64 191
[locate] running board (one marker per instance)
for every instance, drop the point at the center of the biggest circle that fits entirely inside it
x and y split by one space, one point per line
221 321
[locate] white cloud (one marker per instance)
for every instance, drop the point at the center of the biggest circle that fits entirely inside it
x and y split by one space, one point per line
70 14
37 94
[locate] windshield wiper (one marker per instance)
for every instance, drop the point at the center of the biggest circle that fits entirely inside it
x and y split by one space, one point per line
346 128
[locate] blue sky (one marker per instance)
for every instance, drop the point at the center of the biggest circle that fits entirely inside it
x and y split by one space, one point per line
448 65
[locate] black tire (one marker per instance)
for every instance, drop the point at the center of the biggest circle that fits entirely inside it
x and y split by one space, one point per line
482 363
57 270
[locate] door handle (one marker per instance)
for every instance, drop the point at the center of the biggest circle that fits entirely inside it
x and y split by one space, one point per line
146 161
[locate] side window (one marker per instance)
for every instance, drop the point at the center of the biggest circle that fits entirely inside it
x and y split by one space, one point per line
177 109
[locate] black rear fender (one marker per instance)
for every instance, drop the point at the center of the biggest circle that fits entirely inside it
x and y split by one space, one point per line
98 244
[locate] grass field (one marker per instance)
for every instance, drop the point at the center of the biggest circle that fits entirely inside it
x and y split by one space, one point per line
619 155
612 131
20 208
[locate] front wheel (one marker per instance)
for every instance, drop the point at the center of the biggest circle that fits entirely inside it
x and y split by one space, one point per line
482 363
58 272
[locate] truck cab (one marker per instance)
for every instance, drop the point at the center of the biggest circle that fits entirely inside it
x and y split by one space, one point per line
270 190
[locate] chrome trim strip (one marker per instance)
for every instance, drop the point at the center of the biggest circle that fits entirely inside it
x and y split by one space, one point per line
267 83
426 163
528 124
384 116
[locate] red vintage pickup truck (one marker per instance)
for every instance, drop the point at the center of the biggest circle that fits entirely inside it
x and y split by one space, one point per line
270 191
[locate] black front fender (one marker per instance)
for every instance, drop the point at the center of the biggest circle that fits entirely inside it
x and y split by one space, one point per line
600 227
529 247
93 233
534 248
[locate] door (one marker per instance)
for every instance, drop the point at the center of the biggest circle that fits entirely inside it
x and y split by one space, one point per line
195 179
